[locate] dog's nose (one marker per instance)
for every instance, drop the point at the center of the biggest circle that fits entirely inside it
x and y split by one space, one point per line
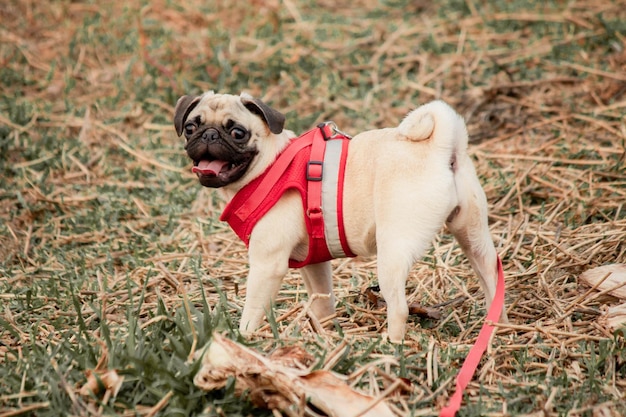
210 135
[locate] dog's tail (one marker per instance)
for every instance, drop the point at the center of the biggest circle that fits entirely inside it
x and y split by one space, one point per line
435 121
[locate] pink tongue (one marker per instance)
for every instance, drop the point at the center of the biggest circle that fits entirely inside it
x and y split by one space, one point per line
209 167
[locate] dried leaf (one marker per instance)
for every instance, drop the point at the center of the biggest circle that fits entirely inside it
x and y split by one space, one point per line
373 296
330 394
102 380
614 317
275 384
415 309
610 278
292 356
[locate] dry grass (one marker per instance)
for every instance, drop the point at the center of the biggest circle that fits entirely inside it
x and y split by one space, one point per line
107 244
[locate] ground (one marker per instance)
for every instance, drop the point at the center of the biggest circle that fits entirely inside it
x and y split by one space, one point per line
112 256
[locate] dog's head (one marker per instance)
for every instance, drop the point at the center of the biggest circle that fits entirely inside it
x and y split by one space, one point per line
225 134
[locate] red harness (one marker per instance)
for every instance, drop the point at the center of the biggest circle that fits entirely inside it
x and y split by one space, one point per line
314 165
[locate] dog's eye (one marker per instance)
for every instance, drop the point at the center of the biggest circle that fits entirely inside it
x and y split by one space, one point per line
190 128
238 133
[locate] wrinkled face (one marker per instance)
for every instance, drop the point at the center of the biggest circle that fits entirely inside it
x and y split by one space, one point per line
223 134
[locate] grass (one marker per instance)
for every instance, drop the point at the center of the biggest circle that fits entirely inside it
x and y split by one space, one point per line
112 256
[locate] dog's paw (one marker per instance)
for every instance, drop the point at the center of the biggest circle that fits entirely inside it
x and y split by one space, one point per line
397 340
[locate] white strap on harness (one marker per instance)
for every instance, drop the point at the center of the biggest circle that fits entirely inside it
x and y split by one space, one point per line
330 181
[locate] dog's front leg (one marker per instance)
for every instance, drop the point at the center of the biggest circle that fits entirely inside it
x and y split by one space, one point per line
318 279
264 280
272 242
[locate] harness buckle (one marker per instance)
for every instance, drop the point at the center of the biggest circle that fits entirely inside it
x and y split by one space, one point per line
314 170
334 130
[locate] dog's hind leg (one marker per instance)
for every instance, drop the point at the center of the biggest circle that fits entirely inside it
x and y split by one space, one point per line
469 224
408 215
318 280
400 244
392 275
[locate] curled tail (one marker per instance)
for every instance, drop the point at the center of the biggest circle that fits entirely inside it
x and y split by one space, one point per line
435 121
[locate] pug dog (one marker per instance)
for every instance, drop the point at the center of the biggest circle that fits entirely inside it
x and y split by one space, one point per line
401 185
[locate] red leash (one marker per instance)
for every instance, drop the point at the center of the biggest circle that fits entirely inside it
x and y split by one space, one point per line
476 352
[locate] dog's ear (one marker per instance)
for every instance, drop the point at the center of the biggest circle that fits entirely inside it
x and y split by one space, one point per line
184 106
274 119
